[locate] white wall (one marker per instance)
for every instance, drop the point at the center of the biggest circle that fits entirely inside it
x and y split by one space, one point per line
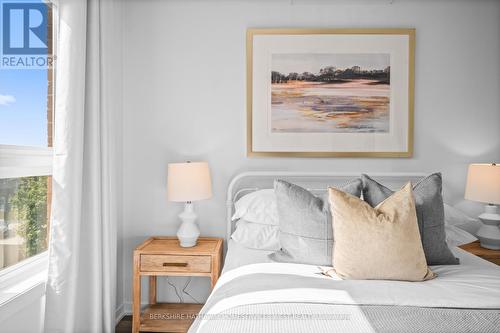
184 98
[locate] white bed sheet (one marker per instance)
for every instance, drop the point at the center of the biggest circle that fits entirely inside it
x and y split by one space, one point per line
475 283
239 255
252 284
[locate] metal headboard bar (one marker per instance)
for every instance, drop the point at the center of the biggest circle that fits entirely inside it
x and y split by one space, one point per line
250 181
246 190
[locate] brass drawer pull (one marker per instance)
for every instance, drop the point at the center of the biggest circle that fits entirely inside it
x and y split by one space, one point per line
175 264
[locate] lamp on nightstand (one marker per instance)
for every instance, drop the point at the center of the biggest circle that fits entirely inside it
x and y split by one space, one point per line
188 182
483 185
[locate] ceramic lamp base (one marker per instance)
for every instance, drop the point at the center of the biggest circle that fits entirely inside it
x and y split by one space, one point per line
188 232
489 233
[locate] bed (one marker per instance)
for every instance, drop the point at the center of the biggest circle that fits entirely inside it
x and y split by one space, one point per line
255 294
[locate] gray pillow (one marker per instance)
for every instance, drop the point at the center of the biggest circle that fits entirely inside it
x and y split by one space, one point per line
430 215
306 233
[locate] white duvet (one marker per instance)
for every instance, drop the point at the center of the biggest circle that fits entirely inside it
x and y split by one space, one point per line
281 289
475 283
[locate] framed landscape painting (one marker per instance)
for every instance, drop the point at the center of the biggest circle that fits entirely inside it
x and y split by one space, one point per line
330 92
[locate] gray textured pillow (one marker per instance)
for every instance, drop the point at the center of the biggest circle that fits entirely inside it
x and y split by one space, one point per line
306 234
430 215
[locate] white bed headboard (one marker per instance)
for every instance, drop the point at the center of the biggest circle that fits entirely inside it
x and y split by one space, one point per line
316 182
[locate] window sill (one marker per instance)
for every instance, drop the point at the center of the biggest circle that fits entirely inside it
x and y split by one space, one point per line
22 284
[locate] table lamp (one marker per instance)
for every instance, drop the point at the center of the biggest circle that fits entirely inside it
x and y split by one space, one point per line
188 182
483 185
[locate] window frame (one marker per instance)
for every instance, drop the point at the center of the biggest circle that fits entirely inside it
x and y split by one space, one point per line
25 161
22 284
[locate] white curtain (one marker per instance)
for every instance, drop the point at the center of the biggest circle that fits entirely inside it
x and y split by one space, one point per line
81 288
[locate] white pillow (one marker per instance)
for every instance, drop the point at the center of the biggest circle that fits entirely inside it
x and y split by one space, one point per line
457 218
456 236
257 207
256 235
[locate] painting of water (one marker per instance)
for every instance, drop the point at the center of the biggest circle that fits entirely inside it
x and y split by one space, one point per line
330 93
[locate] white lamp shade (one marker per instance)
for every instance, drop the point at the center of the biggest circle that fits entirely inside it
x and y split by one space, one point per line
483 183
188 182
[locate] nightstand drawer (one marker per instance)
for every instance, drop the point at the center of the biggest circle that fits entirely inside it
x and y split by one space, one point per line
174 263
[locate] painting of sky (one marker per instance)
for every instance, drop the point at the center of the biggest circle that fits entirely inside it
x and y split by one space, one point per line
313 62
330 93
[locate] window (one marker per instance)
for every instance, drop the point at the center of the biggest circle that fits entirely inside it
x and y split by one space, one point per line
26 128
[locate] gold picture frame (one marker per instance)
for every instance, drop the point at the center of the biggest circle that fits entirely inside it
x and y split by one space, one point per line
407 152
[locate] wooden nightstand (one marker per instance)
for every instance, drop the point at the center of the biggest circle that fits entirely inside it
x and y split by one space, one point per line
162 256
487 254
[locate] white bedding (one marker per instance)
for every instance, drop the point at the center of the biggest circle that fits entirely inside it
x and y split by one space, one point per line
463 298
238 255
475 283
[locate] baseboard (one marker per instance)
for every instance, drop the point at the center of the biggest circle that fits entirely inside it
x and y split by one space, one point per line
119 313
125 309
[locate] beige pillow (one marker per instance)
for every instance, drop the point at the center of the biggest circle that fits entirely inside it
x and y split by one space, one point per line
381 243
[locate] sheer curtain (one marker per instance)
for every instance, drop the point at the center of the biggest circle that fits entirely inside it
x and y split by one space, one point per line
81 288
